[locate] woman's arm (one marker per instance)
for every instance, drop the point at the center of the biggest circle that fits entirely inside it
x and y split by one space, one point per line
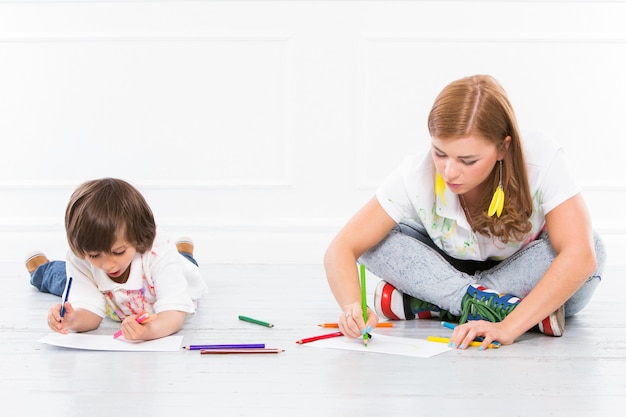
571 236
364 230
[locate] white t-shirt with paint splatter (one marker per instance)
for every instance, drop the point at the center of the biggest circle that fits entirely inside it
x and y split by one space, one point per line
409 193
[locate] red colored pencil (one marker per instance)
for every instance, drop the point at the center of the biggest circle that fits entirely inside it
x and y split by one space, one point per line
320 337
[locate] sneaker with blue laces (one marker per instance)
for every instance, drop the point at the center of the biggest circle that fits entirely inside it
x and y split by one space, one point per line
395 305
481 303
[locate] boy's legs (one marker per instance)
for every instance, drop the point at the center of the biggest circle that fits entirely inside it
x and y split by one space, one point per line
50 277
185 247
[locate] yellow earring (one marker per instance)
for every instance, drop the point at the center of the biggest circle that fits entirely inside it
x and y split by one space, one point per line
440 188
497 202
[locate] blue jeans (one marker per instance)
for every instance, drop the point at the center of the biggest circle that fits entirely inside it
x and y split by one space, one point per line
51 277
409 260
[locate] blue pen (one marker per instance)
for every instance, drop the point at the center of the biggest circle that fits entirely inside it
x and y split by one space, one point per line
478 339
67 294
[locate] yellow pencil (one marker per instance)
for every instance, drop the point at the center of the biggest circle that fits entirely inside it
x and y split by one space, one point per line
474 343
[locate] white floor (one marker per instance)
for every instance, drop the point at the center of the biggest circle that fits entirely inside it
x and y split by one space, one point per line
580 374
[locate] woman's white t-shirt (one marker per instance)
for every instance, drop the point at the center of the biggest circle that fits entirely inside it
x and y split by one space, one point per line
409 193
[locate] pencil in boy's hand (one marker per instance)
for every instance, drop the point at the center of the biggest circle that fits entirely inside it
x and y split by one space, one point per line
67 294
144 318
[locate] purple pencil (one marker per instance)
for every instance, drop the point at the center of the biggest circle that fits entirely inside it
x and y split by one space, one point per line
231 346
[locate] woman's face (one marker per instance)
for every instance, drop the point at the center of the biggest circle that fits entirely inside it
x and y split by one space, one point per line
465 163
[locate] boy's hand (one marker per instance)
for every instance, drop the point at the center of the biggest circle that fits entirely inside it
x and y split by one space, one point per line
61 324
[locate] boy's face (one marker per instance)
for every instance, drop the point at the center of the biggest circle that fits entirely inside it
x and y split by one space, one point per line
115 263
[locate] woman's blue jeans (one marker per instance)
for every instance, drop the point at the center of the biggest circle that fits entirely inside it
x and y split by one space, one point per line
409 260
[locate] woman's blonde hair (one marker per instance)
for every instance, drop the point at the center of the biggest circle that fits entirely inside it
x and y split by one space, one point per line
478 105
103 210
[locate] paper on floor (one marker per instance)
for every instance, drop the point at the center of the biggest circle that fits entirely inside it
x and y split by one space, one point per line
107 342
392 345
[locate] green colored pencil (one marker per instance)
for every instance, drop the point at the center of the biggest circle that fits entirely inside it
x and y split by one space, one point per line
261 323
364 302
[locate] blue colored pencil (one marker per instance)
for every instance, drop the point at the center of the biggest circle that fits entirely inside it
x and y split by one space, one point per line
67 294
448 325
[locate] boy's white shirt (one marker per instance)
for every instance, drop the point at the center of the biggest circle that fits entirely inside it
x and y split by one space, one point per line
160 280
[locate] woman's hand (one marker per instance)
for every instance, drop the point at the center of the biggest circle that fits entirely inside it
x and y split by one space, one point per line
464 334
351 321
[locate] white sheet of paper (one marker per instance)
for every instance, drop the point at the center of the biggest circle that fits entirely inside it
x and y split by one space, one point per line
107 342
379 343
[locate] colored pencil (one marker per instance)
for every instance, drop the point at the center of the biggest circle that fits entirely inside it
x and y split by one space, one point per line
474 343
226 346
67 294
320 337
478 339
336 325
144 318
448 325
259 322
364 302
242 350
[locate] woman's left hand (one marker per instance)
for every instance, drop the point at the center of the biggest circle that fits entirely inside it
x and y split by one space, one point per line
464 334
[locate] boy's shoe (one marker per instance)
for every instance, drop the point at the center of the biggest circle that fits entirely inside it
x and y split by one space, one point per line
394 305
185 244
34 260
481 303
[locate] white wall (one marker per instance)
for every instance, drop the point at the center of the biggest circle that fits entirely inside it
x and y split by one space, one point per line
259 127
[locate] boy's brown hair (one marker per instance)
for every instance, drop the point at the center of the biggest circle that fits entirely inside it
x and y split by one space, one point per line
101 211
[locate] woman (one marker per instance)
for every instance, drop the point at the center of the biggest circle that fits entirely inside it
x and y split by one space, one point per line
483 229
